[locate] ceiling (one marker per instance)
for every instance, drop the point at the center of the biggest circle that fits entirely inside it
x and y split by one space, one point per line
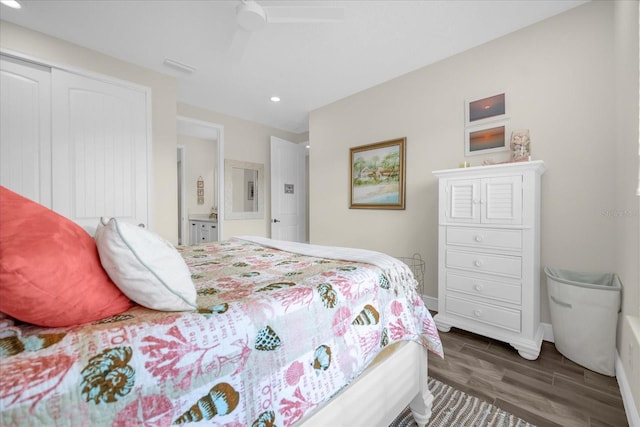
308 65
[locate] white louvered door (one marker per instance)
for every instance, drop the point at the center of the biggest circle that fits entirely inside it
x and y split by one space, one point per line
100 150
501 200
463 201
25 133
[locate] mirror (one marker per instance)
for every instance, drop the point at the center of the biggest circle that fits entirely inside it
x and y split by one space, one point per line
244 188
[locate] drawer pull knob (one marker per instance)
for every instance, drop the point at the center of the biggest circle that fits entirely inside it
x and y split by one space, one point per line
477 263
479 238
477 313
477 287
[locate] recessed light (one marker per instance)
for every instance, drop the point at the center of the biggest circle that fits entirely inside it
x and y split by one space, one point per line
275 99
11 3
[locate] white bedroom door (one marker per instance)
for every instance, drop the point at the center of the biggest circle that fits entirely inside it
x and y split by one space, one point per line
288 192
25 134
100 150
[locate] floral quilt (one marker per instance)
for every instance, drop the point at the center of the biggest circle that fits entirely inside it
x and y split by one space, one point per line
276 335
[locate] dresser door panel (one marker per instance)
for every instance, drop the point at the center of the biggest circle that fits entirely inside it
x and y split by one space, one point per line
462 201
502 200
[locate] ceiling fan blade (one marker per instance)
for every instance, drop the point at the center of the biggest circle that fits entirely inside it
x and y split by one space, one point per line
297 14
239 43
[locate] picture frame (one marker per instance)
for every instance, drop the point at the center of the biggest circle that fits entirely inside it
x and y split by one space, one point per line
489 138
377 175
250 190
485 109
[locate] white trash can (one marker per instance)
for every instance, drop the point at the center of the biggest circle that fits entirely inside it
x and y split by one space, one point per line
584 315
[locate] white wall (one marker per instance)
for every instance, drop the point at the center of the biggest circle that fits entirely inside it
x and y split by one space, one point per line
560 77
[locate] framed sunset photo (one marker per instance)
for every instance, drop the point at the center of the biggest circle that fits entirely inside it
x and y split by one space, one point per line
486 139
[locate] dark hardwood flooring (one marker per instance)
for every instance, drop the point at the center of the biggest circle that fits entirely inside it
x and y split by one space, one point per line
549 391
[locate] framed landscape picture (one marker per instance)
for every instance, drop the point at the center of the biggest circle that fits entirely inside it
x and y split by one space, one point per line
377 176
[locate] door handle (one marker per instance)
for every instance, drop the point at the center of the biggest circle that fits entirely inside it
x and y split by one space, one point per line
275 220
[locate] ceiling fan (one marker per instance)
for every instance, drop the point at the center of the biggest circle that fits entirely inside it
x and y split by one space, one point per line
252 17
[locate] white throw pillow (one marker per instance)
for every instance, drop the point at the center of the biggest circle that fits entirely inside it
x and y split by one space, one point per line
146 268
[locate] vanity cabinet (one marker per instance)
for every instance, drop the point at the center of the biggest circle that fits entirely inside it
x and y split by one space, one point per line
202 231
489 253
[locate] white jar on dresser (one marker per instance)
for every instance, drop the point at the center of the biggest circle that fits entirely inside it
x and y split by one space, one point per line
489 253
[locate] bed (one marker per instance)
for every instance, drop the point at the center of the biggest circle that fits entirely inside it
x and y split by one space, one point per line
282 334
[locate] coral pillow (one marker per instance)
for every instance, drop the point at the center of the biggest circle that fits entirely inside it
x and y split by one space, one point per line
147 268
50 272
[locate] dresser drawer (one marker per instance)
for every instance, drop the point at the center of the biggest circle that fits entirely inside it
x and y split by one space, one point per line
505 318
504 265
485 238
507 292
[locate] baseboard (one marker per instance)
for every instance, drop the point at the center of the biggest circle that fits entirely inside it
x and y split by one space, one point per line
633 416
547 332
430 302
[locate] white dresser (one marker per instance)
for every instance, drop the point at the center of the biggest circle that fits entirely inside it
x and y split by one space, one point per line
489 253
202 229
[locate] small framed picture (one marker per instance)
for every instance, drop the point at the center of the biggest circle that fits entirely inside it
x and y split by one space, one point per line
485 139
250 190
486 109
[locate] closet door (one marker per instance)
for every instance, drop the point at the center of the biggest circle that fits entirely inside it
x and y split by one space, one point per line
100 150
25 133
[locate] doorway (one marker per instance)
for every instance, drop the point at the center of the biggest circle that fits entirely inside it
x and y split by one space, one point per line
200 178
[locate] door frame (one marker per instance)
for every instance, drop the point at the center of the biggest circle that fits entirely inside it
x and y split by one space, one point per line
301 181
219 169
182 202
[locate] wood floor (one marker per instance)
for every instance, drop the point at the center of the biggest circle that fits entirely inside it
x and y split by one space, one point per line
549 391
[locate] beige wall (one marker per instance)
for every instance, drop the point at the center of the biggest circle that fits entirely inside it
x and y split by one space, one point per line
560 77
248 142
36 45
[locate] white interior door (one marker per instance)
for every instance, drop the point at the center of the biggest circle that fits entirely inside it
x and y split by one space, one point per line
25 133
100 150
288 192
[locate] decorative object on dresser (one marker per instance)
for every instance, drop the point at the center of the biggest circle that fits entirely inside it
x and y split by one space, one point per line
520 145
489 253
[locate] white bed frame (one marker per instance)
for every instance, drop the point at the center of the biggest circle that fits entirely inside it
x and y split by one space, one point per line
397 378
